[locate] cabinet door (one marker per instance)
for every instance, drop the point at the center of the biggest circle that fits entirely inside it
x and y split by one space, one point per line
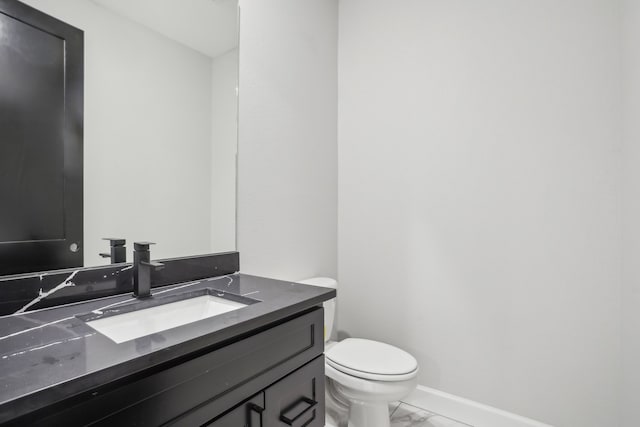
297 400
247 414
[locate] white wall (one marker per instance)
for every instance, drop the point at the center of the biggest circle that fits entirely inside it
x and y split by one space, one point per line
479 201
287 142
631 218
224 136
147 135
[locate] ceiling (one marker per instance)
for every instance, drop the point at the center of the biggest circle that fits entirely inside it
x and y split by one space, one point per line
208 26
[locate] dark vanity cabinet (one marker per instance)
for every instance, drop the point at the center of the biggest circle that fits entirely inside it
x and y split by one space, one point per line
273 376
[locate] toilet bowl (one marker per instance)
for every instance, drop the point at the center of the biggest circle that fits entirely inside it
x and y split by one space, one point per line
362 376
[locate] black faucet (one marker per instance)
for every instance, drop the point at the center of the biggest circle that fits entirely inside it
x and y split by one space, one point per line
118 250
142 267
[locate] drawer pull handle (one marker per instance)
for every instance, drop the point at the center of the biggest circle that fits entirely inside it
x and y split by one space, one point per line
257 409
290 421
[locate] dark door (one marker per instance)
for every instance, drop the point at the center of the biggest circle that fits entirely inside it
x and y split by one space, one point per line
41 111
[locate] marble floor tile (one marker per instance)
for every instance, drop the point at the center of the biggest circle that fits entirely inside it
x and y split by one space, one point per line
393 406
409 416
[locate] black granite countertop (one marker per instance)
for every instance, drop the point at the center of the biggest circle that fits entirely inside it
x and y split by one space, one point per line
51 354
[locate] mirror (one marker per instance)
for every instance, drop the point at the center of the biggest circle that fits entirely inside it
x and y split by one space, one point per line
160 123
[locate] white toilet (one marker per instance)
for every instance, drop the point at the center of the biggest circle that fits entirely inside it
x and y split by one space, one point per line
362 376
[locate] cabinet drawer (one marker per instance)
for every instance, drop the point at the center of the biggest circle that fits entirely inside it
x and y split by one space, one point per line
298 399
196 391
247 414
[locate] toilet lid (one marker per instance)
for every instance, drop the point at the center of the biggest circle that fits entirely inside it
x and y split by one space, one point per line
371 360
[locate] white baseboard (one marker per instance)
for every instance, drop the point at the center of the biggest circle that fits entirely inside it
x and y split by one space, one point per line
467 411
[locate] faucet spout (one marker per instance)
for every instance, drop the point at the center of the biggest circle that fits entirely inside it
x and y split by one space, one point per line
142 268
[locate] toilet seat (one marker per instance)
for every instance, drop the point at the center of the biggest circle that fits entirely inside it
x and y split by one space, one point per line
371 360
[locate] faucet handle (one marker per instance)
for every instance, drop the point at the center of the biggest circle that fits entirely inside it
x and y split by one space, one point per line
142 246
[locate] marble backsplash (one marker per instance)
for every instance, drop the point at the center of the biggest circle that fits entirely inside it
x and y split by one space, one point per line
32 291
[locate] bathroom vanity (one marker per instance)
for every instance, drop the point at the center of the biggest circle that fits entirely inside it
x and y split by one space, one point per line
83 343
258 365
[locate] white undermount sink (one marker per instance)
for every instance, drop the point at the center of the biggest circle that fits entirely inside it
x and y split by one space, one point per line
139 323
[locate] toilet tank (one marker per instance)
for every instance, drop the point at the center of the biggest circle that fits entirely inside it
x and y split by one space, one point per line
329 306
